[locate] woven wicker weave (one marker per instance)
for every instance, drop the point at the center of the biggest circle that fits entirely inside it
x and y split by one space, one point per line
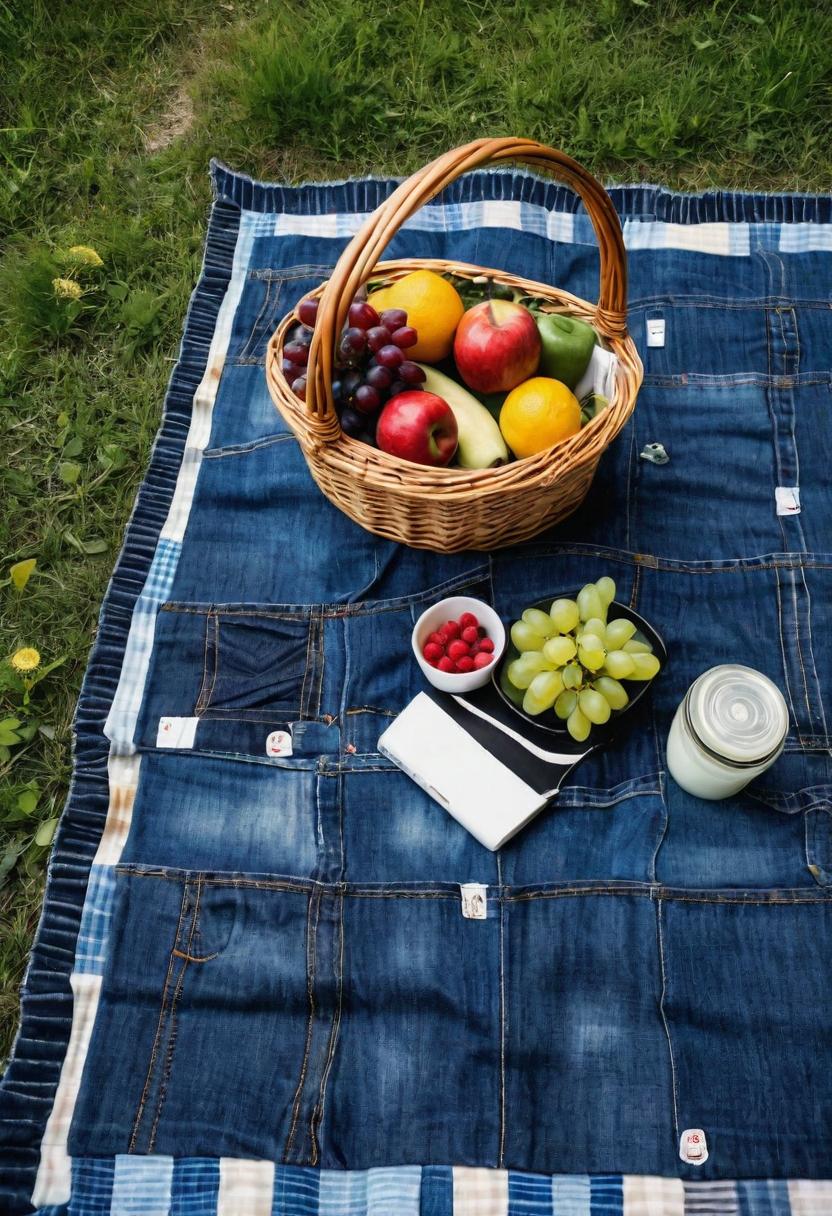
450 509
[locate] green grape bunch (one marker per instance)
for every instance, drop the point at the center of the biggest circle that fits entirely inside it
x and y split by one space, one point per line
573 661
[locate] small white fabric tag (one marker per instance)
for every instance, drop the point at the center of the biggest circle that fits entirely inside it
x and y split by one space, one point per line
787 499
655 331
693 1147
474 900
279 743
176 732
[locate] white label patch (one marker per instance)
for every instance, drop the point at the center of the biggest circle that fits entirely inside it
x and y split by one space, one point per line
176 732
655 331
787 499
474 900
279 743
693 1147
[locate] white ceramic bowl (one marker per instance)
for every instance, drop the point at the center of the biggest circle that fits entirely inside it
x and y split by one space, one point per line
450 610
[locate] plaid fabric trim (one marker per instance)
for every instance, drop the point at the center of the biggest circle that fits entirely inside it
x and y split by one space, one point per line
728 239
202 1186
95 921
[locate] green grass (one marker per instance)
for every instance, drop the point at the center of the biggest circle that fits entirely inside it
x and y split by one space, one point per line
108 116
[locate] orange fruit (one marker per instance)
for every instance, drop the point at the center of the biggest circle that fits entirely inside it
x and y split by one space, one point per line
537 414
378 299
433 308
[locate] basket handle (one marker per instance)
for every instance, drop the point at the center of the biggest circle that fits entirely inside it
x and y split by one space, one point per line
360 257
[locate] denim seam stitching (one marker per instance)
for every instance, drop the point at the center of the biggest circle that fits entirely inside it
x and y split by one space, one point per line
172 1032
269 307
203 701
784 658
304 708
813 662
243 449
156 1040
318 1112
662 966
311 950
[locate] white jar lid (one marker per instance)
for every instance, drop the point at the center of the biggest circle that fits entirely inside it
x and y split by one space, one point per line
738 714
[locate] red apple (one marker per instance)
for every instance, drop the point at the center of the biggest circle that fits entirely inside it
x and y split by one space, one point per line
497 346
418 426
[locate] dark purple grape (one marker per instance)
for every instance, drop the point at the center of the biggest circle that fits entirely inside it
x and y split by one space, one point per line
399 386
379 377
404 337
352 423
354 340
297 353
349 384
299 387
411 373
367 399
308 311
337 389
363 315
389 356
289 369
300 334
377 337
394 318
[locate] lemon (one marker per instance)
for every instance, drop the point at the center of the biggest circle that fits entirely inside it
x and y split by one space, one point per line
538 414
433 308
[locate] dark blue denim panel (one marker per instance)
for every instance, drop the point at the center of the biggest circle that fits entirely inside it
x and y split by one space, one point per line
588 1085
244 415
808 293
746 986
715 497
260 530
223 814
270 293
202 1027
416 1074
754 613
394 832
591 832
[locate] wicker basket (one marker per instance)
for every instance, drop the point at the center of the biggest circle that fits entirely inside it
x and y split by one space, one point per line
450 509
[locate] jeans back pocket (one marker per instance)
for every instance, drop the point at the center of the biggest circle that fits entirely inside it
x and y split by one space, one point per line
257 665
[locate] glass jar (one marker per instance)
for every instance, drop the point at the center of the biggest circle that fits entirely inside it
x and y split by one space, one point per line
730 727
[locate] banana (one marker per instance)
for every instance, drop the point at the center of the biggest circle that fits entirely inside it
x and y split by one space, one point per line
481 446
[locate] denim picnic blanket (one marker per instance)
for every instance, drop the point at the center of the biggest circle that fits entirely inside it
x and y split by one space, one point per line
253 990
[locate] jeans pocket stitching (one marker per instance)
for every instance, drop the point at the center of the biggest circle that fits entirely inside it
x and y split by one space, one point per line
180 983
184 909
210 663
311 936
338 965
267 306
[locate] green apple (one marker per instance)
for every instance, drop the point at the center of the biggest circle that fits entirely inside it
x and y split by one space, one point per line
566 347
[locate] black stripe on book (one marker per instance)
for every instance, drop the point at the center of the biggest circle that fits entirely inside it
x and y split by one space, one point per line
543 776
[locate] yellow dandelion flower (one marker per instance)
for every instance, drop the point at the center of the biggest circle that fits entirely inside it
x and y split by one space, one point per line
85 255
25 659
67 289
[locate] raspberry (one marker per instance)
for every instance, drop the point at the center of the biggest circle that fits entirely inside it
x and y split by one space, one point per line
457 649
465 663
446 664
433 652
486 644
450 630
470 634
467 619
482 659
